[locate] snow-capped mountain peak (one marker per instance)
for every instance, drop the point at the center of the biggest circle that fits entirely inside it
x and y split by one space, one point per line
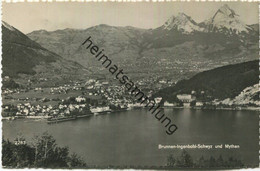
182 23
225 19
226 11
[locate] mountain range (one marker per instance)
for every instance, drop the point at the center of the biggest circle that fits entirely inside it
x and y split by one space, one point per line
178 49
225 20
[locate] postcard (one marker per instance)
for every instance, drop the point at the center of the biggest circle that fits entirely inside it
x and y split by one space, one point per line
130 85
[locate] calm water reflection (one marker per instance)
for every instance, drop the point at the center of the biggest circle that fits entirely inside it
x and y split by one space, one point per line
132 137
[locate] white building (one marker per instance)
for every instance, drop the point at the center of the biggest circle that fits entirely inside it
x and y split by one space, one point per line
186 98
167 104
199 104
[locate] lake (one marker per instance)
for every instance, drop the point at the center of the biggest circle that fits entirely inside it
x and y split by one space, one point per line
132 137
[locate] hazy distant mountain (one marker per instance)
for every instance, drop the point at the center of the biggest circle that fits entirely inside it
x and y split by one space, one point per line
25 59
179 48
121 43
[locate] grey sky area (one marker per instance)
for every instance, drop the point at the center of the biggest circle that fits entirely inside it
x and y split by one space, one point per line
28 17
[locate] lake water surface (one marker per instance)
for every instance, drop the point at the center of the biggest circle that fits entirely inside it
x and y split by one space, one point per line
132 137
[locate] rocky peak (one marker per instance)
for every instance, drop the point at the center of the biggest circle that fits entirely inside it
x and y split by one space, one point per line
225 19
183 23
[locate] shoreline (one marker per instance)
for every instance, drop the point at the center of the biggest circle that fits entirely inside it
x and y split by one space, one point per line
10 118
199 108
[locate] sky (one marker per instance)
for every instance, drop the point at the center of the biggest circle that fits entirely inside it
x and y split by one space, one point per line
28 17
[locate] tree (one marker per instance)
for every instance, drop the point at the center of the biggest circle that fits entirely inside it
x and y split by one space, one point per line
186 159
171 162
230 162
212 162
7 153
17 155
24 155
44 153
220 162
202 162
75 161
47 154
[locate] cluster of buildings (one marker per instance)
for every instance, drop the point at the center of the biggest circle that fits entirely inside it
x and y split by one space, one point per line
45 111
27 109
104 93
186 101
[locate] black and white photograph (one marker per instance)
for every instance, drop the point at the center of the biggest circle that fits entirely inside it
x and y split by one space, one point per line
130 85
